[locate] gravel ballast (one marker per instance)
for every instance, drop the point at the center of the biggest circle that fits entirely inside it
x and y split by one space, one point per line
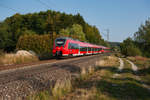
20 83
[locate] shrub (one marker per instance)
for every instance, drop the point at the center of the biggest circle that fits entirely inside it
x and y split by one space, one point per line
40 44
133 51
128 48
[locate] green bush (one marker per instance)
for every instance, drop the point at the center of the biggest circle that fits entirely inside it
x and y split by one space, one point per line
133 51
40 44
128 48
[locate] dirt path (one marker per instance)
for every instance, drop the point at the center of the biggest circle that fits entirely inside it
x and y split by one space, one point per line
112 82
134 67
120 68
121 64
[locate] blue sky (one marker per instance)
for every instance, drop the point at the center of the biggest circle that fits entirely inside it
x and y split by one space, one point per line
121 17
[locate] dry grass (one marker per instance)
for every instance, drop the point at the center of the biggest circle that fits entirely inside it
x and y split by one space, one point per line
86 87
40 96
141 62
81 89
141 58
61 88
102 86
109 61
138 58
143 65
82 94
12 58
91 69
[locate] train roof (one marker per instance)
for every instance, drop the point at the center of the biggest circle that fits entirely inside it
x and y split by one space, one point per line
84 43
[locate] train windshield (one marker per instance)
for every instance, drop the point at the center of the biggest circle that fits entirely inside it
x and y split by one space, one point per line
60 42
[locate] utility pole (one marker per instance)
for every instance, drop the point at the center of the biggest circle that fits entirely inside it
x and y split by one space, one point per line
107 34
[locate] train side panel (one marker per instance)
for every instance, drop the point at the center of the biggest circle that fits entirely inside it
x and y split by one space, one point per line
67 47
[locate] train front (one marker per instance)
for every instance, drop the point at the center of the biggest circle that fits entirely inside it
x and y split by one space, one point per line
58 47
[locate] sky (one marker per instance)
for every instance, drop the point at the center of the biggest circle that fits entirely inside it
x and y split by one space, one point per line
121 17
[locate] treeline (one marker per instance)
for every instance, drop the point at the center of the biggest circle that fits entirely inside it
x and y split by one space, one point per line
140 43
49 22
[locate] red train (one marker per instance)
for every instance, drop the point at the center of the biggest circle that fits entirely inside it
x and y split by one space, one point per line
65 46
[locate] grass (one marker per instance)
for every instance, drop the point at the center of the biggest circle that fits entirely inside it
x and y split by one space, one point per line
101 85
41 96
143 66
61 88
141 62
12 58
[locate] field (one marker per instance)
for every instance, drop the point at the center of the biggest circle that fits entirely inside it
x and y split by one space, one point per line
107 82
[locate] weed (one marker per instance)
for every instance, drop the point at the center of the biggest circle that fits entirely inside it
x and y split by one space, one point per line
40 96
61 88
102 86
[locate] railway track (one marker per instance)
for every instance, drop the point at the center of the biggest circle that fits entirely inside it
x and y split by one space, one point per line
28 71
19 83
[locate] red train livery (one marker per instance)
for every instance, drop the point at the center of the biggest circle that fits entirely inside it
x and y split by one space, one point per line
65 46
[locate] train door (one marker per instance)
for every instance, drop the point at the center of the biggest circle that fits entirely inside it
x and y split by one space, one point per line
79 49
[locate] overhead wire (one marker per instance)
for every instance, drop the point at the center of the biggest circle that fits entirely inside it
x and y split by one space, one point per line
4 6
43 3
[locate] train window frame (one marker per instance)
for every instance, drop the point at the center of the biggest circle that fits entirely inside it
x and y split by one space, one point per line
60 45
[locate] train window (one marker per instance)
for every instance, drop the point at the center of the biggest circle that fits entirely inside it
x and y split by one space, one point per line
60 42
89 49
83 48
69 46
86 48
73 46
92 49
95 49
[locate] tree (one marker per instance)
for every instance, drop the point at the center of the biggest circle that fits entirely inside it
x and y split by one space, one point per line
48 22
128 48
142 38
75 32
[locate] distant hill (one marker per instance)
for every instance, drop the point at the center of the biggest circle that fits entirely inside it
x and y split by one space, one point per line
112 44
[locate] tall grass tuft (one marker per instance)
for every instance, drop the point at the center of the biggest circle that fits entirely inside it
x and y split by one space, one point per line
40 96
83 74
91 69
61 88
